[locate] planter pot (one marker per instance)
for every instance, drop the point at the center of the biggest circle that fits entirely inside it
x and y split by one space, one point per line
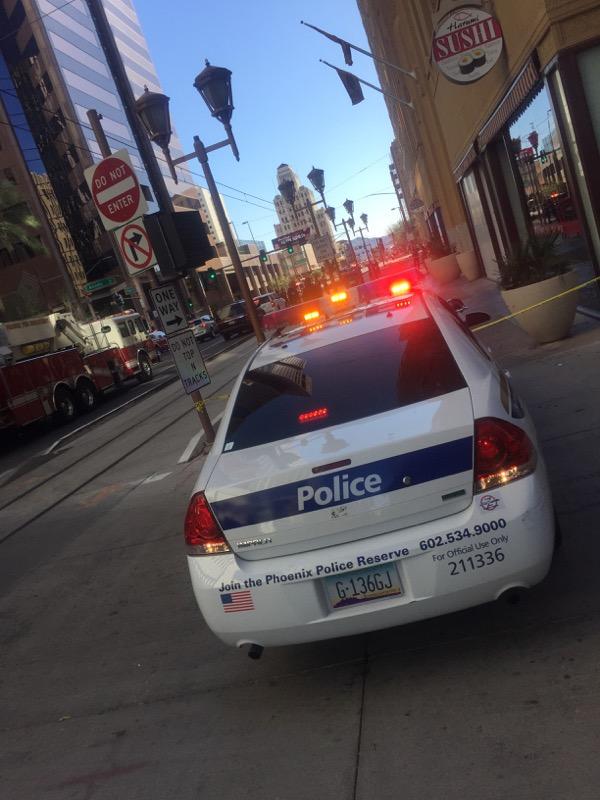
553 320
468 264
444 270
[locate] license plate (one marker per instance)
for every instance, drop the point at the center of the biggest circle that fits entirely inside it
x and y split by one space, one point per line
363 585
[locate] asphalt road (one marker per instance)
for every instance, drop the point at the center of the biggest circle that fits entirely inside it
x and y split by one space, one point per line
112 686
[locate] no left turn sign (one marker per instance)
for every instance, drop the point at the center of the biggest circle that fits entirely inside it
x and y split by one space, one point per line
136 249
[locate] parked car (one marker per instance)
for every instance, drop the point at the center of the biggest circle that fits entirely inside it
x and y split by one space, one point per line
323 511
233 319
269 302
159 340
204 327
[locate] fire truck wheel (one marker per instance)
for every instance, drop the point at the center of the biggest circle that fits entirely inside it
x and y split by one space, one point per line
85 395
145 373
64 402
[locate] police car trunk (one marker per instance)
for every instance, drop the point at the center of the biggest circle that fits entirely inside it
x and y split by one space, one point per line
355 428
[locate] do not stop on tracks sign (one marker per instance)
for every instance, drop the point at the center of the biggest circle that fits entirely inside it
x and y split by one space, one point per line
116 190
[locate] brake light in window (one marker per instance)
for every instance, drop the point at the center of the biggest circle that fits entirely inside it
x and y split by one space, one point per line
339 297
309 416
400 287
203 536
310 315
503 453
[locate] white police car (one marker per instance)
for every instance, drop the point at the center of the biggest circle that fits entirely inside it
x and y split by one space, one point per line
372 469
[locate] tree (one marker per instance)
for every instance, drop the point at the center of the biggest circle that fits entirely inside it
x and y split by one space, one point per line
17 223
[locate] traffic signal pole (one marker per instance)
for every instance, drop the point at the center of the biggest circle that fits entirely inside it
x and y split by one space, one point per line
201 153
199 405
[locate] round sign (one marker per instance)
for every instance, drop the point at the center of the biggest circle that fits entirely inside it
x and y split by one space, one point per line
135 247
467 43
116 190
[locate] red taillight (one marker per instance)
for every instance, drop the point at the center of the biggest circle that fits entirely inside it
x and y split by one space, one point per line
400 287
503 453
203 536
309 416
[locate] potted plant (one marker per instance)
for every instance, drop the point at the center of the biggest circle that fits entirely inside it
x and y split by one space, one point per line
469 264
441 261
533 272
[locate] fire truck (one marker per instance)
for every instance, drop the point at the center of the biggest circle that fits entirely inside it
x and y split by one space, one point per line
54 365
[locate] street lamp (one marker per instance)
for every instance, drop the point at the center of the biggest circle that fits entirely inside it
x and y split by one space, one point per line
287 189
317 179
214 85
153 110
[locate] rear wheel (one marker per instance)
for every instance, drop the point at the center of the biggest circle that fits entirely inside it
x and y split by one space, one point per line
64 403
85 395
226 336
145 368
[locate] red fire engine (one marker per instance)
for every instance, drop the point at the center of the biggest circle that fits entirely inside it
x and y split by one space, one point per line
54 365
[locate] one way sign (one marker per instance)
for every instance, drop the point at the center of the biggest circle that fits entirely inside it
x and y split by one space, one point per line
170 311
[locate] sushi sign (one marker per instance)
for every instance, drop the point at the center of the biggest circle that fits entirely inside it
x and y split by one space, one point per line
467 44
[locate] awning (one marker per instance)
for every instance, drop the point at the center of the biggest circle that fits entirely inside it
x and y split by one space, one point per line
465 163
522 87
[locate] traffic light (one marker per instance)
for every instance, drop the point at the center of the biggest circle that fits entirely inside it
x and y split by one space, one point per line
262 254
290 249
190 305
211 274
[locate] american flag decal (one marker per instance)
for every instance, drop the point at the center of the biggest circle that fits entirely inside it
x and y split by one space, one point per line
237 601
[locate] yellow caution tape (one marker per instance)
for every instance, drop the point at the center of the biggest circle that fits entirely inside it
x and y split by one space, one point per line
535 305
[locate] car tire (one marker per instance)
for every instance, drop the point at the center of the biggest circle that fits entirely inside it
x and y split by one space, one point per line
145 368
85 396
226 336
65 405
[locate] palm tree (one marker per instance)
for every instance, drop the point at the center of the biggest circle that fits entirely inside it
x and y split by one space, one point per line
17 223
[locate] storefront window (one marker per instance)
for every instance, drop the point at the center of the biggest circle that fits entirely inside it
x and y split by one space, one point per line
537 150
589 67
478 221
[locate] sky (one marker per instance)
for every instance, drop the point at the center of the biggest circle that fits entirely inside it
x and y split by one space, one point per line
288 107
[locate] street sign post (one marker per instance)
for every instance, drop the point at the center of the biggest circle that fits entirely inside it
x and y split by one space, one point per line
185 350
289 239
170 310
101 283
115 189
189 362
135 246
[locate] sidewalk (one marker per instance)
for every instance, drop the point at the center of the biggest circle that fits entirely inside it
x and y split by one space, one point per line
560 383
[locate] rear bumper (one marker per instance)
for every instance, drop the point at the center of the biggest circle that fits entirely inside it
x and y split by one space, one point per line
289 602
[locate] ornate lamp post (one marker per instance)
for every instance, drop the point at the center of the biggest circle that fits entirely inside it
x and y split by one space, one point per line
214 86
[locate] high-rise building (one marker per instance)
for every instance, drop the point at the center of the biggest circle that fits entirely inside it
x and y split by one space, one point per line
299 216
54 71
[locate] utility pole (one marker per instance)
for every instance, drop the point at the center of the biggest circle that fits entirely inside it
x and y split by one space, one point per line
350 243
113 57
202 155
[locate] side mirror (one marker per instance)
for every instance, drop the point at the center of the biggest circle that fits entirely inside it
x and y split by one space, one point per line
105 329
456 304
476 318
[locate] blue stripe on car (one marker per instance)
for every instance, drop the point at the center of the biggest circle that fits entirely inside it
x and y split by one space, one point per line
428 464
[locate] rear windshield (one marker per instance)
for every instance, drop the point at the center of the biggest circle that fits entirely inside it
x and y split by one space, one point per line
341 382
234 310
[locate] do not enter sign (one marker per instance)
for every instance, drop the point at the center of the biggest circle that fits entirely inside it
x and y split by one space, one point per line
116 190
